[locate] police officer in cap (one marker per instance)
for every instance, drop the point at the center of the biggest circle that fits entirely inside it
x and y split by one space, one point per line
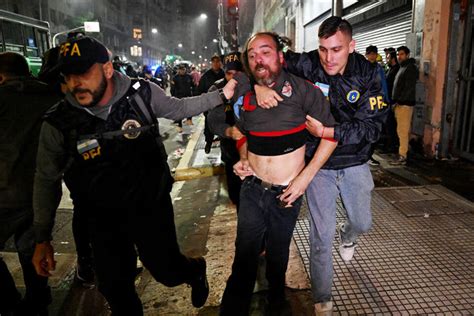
103 140
222 123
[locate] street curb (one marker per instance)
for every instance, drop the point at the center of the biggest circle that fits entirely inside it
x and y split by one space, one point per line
185 169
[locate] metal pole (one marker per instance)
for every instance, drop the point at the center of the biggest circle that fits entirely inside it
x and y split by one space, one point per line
337 8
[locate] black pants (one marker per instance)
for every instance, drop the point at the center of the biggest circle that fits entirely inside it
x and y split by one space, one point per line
19 224
81 233
259 217
117 235
208 135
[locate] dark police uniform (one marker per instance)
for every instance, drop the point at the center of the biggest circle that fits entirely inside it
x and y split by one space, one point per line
357 104
115 166
273 132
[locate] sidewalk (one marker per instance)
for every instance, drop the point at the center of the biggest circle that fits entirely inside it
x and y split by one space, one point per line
417 259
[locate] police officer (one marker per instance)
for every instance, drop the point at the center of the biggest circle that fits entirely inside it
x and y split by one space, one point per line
222 123
103 139
355 92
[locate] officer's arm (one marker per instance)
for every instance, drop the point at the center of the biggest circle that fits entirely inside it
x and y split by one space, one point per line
366 125
176 109
300 64
47 190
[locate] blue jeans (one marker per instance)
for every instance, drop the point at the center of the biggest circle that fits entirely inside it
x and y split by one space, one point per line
260 219
354 185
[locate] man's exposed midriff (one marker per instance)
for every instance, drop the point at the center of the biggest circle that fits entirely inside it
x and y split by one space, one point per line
278 170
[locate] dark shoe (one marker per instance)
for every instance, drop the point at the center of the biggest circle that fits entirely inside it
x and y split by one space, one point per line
278 307
85 270
200 287
207 149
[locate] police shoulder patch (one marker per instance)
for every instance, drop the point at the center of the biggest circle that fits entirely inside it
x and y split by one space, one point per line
352 96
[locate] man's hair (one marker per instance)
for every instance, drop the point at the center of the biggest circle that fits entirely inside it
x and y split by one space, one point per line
404 48
13 65
215 57
393 55
333 24
280 43
371 49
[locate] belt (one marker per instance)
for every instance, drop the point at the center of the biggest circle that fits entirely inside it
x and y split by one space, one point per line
267 185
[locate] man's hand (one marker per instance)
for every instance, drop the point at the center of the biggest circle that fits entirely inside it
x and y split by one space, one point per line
314 126
267 98
43 259
229 89
295 189
233 132
242 168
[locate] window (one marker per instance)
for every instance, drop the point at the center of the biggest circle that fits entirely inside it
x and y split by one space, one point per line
135 50
30 41
12 36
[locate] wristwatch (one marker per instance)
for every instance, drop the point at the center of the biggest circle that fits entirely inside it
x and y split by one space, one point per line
222 95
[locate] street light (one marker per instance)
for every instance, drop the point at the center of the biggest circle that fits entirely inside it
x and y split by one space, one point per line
154 30
214 40
203 16
180 45
193 52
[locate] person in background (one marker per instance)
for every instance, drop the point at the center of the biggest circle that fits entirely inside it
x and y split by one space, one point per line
206 81
222 123
404 98
390 127
182 87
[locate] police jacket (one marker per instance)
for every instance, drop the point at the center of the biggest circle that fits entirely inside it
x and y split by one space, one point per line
110 156
23 103
219 119
404 86
357 104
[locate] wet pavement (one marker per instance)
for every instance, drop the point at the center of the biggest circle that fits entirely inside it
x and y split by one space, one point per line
417 259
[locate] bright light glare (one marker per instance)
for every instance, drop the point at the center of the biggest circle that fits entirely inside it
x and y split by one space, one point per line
154 30
203 16
180 45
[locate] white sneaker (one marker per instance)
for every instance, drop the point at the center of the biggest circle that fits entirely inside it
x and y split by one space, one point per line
346 249
323 309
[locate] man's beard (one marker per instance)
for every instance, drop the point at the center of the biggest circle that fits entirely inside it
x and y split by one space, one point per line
271 78
96 94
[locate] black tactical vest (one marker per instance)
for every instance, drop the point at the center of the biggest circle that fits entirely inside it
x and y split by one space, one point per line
120 162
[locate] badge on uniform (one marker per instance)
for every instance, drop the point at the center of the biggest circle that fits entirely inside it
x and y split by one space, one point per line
88 148
353 96
131 124
287 90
